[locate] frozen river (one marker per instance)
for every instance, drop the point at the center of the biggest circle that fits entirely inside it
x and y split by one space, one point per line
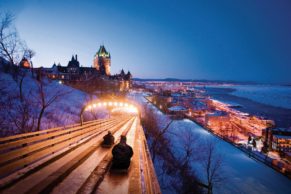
271 102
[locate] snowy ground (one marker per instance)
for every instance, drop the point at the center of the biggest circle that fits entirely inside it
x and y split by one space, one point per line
63 111
242 174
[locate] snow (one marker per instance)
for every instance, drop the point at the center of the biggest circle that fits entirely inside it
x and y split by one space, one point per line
65 110
230 104
199 105
177 108
242 174
279 96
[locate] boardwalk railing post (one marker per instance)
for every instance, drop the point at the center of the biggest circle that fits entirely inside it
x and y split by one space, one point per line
81 114
81 119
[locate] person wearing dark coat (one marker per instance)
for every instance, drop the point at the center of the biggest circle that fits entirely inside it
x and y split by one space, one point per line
108 139
122 154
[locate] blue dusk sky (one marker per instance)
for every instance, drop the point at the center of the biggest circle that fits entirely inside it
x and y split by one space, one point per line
246 40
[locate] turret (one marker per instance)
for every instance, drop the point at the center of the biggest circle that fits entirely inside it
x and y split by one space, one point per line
128 76
102 61
122 73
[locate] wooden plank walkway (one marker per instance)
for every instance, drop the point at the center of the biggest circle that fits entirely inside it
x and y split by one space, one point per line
71 160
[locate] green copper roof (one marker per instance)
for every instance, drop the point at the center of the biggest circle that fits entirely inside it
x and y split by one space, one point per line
102 52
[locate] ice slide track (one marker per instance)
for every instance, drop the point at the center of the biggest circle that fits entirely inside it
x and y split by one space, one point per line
140 177
73 161
37 152
21 153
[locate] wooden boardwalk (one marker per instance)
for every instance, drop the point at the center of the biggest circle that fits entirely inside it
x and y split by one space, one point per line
71 160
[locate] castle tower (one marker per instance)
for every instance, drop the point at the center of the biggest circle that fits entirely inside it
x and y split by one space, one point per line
102 61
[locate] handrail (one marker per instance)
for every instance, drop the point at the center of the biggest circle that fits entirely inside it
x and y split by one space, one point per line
52 134
48 140
29 134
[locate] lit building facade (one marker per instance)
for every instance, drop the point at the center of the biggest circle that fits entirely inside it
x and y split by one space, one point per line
281 143
24 63
278 139
102 61
74 72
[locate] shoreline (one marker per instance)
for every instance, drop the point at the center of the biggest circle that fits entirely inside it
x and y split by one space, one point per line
281 116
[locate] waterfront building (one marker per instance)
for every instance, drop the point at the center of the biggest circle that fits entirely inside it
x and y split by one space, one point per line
249 125
281 143
278 139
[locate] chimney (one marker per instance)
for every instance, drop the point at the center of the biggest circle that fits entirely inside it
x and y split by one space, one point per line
76 58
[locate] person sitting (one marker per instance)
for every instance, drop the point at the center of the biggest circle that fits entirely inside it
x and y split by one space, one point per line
108 140
122 154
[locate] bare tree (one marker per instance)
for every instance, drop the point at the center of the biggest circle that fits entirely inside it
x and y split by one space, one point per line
186 180
152 130
211 164
29 54
180 176
22 115
189 143
159 140
15 115
3 101
46 98
19 78
11 47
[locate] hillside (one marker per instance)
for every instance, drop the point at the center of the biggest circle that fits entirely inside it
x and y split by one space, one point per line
17 116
